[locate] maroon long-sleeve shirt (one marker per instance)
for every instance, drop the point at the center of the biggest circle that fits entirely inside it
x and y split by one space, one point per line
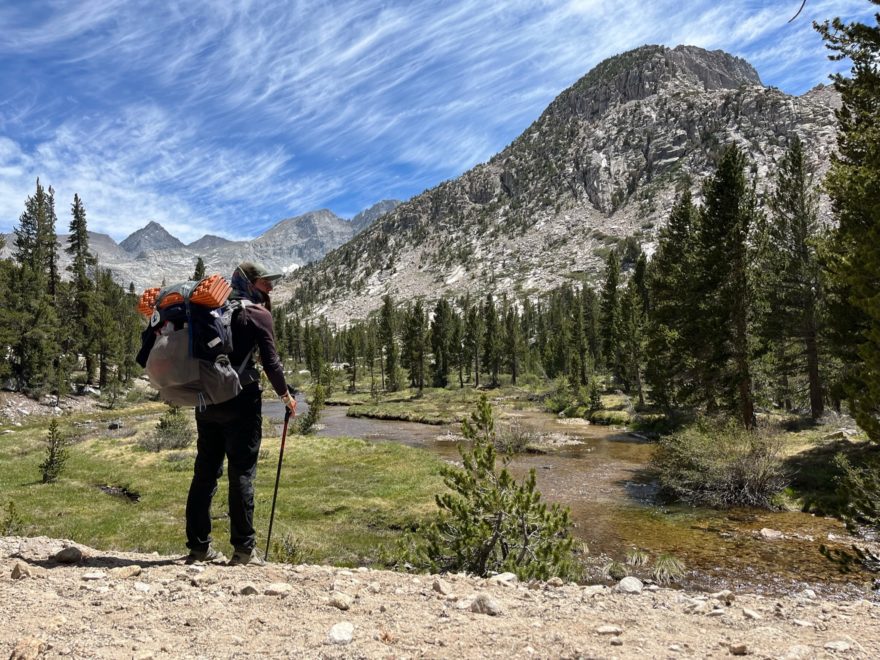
253 327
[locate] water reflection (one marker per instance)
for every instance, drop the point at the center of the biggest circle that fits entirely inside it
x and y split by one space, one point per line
614 508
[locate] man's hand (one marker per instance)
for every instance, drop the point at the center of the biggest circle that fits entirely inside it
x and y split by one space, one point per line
289 400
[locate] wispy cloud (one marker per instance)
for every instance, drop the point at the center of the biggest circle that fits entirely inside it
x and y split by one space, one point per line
226 116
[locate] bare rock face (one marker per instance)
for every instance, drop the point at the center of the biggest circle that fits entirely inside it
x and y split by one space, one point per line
601 163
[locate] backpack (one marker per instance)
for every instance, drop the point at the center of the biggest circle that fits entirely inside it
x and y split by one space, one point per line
185 348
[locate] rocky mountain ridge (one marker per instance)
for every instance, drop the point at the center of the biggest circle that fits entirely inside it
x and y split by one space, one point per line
151 254
601 163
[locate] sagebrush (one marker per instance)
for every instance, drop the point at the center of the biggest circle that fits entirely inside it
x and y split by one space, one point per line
721 464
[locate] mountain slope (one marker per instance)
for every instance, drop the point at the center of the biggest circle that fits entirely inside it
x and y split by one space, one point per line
601 163
152 237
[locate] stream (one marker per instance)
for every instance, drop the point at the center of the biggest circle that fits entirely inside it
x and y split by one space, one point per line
601 477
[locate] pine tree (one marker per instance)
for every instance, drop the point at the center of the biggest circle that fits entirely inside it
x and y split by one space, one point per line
49 240
83 294
441 342
854 186
632 319
29 233
724 291
673 343
199 273
473 335
491 340
388 340
416 340
513 342
792 275
353 347
611 315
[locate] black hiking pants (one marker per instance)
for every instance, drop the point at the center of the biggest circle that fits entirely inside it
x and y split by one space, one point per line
230 430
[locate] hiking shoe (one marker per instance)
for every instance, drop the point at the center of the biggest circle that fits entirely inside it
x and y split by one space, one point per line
209 556
245 558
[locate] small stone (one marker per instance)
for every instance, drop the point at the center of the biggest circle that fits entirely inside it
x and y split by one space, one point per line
799 652
374 587
69 555
485 604
506 579
20 570
717 613
675 648
341 633
751 614
725 596
771 534
609 630
278 589
441 586
142 587
616 641
341 600
738 649
630 585
28 648
809 594
592 590
123 572
94 575
838 646
555 582
802 623
247 590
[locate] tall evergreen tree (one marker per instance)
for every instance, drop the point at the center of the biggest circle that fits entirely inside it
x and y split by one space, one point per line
49 240
611 315
790 266
725 291
441 342
632 319
673 343
854 186
513 342
29 233
388 340
199 273
473 334
416 342
491 340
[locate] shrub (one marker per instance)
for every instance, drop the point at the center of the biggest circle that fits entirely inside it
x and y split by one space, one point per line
720 465
859 487
56 454
174 431
490 522
514 438
307 423
290 550
12 524
561 397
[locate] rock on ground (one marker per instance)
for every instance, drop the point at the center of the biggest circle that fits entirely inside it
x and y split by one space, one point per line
173 611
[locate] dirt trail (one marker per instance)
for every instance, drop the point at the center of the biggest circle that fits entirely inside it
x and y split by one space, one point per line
126 605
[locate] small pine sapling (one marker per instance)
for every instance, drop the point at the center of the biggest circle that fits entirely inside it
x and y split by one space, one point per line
56 454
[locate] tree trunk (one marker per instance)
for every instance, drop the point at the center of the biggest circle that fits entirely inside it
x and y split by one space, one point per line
817 403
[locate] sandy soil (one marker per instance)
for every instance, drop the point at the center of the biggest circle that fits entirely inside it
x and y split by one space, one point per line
125 605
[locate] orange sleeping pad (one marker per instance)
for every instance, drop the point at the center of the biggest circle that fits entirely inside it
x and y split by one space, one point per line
209 292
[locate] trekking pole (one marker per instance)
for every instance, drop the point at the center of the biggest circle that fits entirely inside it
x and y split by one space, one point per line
287 415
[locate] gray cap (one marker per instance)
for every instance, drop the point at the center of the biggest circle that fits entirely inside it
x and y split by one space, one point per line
257 271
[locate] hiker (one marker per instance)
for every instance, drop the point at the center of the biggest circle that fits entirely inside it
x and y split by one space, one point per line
233 429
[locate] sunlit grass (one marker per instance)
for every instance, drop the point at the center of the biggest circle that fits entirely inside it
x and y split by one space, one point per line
342 498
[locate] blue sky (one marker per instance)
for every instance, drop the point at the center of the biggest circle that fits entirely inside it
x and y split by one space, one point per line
226 116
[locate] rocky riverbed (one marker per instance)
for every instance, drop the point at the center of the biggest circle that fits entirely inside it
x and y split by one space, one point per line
61 599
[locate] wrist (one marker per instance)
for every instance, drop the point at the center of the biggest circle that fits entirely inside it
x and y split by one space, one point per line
286 398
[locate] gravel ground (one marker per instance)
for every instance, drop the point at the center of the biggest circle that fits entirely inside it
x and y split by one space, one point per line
126 605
